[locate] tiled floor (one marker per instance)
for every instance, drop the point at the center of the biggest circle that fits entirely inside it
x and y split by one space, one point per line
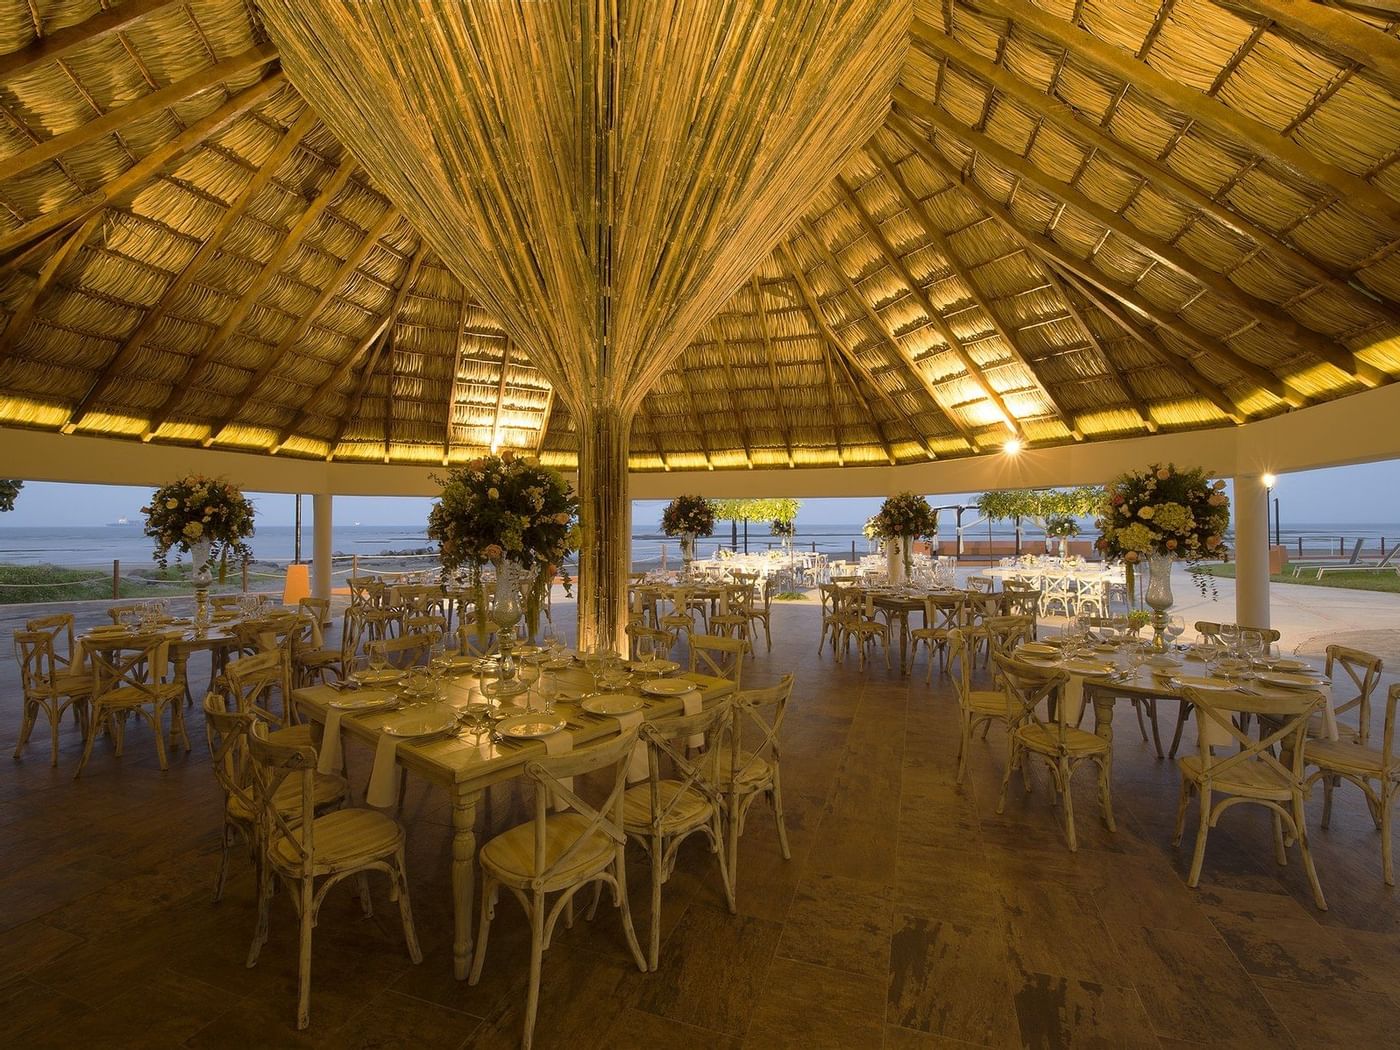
910 916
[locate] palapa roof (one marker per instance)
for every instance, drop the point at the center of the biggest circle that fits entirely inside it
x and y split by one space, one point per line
1070 220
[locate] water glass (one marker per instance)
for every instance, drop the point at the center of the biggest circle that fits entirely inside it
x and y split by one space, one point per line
548 688
1175 628
378 659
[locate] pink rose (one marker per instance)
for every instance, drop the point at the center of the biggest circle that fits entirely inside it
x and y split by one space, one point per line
493 551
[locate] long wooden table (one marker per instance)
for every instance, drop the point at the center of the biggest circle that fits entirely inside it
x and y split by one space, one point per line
464 766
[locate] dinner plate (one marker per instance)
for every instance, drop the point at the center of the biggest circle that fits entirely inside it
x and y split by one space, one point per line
1105 647
612 704
1219 685
430 721
669 687
1163 660
1038 649
363 701
653 666
116 628
530 726
1288 680
387 676
1088 667
1288 665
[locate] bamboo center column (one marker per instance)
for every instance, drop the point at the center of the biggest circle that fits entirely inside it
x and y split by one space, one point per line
605 517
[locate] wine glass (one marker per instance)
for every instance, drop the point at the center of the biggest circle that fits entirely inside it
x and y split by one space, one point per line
595 659
1175 628
1230 635
378 660
548 687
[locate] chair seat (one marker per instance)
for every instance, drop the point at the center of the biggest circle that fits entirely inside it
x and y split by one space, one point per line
987 702
1077 742
867 627
728 620
1253 779
326 788
318 657
1345 756
130 696
70 683
754 770
292 736
511 854
1317 728
684 808
933 634
345 838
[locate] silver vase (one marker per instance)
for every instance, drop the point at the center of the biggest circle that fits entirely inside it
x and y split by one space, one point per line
199 560
1159 597
687 552
504 611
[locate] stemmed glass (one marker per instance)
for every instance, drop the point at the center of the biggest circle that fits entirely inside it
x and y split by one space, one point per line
1176 626
548 687
595 659
377 659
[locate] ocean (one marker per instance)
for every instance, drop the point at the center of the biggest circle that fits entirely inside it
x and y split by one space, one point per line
80 546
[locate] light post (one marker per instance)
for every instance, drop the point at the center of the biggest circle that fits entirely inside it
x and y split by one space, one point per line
1270 480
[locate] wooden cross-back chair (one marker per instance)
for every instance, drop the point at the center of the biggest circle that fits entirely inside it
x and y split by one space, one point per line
943 614
301 849
735 612
560 853
679 619
254 684
1210 631
1017 601
717 656
761 610
129 679
666 810
1363 671
858 621
1376 771
371 597
59 628
48 686
983 584
638 633
405 650
831 620
1002 634
1253 773
753 768
976 707
1050 736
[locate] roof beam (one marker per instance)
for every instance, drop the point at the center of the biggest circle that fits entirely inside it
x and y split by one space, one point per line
450 423
1066 119
114 119
893 260
331 383
1337 31
63 42
280 255
772 367
304 319
954 420
151 164
941 245
695 413
48 274
835 405
1160 251
500 398
848 356
544 421
740 414
1048 248
395 308
1211 112
207 250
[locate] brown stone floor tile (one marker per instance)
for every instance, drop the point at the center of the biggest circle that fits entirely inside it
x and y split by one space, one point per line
1060 1012
808 1007
1332 1017
839 923
951 978
1055 929
1293 950
897 1038
391 1020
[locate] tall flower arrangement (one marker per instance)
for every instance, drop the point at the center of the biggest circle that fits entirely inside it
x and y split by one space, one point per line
688 515
782 529
197 508
904 515
1165 511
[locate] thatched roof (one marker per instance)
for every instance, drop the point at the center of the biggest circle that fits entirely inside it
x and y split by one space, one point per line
1076 219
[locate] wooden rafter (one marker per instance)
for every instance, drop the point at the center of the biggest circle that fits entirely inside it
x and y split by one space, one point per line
741 417
1210 112
450 424
835 404
1337 31
772 367
1265 379
851 362
544 420
1168 255
207 250
48 274
139 173
291 240
400 297
500 397
114 119
891 344
700 428
1070 123
63 42
893 260
330 384
964 275
304 319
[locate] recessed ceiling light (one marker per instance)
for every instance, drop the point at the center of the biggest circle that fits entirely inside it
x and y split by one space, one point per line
1013 446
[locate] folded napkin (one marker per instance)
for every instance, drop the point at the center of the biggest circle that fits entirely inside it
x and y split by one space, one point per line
328 760
560 743
638 768
1072 699
383 790
693 704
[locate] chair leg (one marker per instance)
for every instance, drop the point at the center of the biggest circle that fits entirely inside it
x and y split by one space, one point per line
362 891
26 726
777 796
1198 858
1065 771
260 929
629 931
658 846
223 861
483 927
308 925
1006 778
1326 802
1106 792
1387 797
1181 811
1156 732
1142 726
1280 855
1300 826
55 719
532 995
94 723
410 934
964 745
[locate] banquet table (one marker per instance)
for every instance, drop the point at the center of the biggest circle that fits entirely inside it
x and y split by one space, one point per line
898 606
464 765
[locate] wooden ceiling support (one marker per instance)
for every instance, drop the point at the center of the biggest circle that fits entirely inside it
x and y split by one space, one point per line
679 367
772 366
544 421
450 423
961 272
1339 32
893 260
741 416
330 384
48 273
500 398
291 240
63 42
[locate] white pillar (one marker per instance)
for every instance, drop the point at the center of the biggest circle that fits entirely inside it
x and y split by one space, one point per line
1251 551
321 546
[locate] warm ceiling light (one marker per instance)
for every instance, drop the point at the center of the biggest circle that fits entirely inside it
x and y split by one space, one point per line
1270 480
1013 446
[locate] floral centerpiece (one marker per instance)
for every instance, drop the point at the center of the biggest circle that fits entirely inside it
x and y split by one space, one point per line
688 517
519 516
1160 515
900 520
208 517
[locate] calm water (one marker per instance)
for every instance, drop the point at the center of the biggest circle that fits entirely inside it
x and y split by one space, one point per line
94 546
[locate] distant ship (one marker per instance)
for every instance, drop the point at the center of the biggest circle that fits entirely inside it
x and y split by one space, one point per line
118 523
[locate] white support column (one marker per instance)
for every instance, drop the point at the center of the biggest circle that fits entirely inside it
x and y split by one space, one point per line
321 545
1251 550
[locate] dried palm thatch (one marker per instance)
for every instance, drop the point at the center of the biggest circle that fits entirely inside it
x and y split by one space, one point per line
860 234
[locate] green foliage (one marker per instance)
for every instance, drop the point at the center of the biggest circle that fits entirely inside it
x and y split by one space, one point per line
39 584
1352 581
776 509
688 515
9 489
1040 505
904 515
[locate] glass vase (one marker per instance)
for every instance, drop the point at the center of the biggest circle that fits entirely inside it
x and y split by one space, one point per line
1159 597
199 561
687 553
504 611
894 559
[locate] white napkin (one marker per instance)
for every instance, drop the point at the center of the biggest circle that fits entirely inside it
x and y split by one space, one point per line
328 759
638 768
1210 733
1072 699
383 790
693 704
560 743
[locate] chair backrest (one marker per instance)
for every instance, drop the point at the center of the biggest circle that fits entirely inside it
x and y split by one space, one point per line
250 682
1004 633
320 608
1020 602
59 627
985 584
716 655
637 632
1027 687
700 774
1211 631
551 775
1217 728
124 613
737 598
758 720
407 650
960 665
227 734
34 652
135 662
944 612
1390 765
271 764
1364 671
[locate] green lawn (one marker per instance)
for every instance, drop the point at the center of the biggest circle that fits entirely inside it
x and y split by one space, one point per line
1387 580
55 584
